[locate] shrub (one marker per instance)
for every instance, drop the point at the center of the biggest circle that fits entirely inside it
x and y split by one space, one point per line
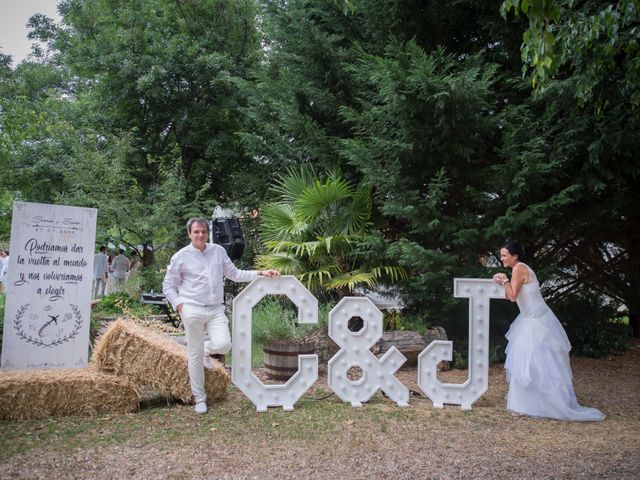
276 319
403 321
590 324
150 278
461 352
316 231
122 302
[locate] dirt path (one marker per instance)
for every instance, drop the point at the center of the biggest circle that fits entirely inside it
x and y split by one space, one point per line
326 439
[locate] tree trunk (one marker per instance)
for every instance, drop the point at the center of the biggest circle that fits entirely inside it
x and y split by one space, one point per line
410 344
148 256
634 322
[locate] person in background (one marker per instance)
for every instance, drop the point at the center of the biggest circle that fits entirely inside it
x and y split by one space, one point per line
193 285
134 263
100 272
120 267
4 260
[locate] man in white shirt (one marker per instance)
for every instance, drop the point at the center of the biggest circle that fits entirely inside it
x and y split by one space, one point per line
194 285
4 272
100 272
1 268
120 267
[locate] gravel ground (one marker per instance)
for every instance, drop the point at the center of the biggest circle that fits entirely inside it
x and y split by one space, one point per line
326 439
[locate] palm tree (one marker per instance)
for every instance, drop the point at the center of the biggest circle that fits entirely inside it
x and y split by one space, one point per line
314 231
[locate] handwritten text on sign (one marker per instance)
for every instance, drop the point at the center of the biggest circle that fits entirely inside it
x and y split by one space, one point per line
377 373
46 323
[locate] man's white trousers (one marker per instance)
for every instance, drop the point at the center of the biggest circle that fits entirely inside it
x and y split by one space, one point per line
197 319
99 285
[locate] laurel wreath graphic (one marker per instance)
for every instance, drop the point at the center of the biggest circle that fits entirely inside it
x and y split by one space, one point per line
58 341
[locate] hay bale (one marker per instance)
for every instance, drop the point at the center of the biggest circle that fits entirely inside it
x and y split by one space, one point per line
27 394
155 360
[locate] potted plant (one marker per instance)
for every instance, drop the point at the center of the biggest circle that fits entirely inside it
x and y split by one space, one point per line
275 327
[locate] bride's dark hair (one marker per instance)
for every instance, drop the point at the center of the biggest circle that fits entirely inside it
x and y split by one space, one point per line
514 248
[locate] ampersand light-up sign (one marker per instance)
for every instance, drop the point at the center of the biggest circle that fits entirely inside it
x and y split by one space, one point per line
377 373
479 291
262 395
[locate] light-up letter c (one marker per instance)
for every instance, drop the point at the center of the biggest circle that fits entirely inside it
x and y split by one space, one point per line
262 395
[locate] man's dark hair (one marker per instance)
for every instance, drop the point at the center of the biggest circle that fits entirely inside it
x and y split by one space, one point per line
198 220
103 248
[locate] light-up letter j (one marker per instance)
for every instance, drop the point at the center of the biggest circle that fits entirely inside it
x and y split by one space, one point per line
479 291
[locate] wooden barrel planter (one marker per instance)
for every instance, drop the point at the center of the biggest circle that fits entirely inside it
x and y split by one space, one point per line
281 358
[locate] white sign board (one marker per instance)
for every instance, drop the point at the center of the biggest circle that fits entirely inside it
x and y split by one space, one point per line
48 299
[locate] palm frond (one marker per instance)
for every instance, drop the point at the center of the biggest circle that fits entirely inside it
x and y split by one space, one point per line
316 231
293 182
338 242
300 249
393 273
351 280
321 198
314 279
355 217
283 262
278 222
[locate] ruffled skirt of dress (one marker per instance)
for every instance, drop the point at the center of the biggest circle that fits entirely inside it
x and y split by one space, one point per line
539 373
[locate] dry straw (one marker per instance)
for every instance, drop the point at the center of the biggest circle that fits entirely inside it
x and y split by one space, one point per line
149 358
70 391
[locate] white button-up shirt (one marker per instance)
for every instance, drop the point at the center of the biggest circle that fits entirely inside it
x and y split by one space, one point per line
196 277
100 265
120 267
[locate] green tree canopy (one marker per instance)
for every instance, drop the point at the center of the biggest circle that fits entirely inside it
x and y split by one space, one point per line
159 86
584 214
595 42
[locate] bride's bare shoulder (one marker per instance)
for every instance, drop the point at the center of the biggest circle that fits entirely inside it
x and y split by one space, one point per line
522 271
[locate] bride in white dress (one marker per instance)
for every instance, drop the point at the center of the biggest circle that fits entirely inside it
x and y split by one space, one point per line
537 364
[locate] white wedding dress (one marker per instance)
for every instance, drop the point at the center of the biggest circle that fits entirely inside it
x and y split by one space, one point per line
537 364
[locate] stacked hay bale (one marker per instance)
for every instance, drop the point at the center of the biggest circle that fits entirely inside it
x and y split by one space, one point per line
152 359
71 391
125 357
